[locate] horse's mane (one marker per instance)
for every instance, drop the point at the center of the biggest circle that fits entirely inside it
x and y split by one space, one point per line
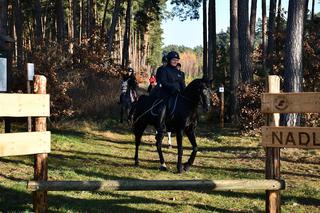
192 86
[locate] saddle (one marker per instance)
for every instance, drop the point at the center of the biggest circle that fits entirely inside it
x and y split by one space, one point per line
171 104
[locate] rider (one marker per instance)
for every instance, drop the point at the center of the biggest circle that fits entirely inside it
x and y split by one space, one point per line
178 66
170 81
129 83
152 83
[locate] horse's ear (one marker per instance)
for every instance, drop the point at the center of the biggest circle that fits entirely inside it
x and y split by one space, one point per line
206 81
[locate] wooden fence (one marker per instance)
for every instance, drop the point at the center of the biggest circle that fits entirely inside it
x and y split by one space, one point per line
273 138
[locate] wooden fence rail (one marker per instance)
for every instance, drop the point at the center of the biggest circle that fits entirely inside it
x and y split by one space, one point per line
146 185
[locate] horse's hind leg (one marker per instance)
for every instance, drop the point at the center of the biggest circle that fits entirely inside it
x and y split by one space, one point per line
192 138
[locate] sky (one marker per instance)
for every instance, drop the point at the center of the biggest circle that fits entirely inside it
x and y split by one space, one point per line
189 33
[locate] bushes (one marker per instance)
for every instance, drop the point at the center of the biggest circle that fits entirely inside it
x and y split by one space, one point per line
249 96
81 83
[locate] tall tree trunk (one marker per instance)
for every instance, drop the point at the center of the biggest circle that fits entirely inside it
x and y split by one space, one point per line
60 21
312 10
38 25
70 20
264 33
104 17
76 19
234 60
253 16
90 17
205 40
112 29
244 41
279 16
212 40
19 33
293 68
126 37
271 29
83 19
3 17
278 45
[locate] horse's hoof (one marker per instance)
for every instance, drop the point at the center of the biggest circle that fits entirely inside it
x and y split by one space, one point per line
180 169
186 167
136 164
163 168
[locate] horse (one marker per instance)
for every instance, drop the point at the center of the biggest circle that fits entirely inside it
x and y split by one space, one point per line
126 101
182 119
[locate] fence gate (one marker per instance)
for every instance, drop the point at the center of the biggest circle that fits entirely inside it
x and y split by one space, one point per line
29 143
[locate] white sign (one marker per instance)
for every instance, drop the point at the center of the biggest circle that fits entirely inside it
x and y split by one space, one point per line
221 89
3 74
30 68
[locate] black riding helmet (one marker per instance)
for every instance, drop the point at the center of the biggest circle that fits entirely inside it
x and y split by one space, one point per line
164 59
130 70
173 54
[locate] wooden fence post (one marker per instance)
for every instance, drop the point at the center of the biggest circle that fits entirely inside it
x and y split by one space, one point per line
40 199
273 202
221 90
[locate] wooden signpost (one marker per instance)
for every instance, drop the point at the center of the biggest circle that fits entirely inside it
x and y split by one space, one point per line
275 137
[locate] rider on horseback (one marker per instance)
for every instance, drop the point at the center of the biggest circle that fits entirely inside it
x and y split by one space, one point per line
170 81
129 84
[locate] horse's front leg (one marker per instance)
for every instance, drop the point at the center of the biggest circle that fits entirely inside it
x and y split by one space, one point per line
138 130
159 139
121 114
192 138
180 150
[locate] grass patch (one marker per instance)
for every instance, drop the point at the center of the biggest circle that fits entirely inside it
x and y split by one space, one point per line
90 151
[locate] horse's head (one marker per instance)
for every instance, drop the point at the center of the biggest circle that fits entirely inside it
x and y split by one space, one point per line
199 91
205 96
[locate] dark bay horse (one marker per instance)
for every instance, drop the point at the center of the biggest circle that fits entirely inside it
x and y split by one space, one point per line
182 119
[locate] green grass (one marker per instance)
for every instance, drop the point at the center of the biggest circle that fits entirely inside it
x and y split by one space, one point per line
90 151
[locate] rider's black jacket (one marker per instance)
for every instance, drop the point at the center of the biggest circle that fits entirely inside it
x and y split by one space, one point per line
132 81
169 81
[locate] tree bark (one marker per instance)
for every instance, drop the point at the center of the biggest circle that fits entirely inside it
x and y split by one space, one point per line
38 24
104 17
244 41
212 40
253 16
264 33
126 37
60 21
293 69
312 10
205 40
19 33
234 60
112 30
76 19
271 29
3 17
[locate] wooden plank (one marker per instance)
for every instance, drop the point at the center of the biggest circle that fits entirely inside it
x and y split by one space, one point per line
290 102
291 137
147 185
24 105
25 143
